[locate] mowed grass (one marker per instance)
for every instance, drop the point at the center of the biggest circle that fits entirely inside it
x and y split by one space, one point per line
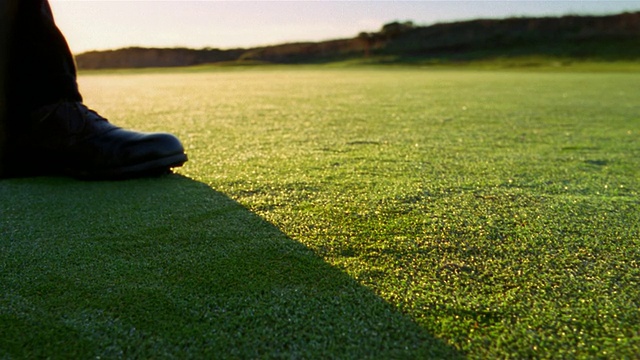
341 213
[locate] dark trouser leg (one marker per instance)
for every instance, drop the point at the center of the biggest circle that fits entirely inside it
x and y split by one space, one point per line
7 8
40 66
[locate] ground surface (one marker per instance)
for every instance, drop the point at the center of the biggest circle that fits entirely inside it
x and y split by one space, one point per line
341 213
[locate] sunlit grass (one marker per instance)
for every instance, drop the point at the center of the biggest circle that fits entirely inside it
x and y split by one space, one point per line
498 211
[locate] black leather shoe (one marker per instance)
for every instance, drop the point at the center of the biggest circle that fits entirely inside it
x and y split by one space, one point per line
67 138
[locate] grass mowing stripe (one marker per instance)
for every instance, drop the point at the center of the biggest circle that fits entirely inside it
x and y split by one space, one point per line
497 210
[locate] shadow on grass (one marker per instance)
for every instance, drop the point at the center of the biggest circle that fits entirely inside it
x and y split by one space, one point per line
168 267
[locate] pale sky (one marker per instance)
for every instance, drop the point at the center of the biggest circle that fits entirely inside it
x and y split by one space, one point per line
100 24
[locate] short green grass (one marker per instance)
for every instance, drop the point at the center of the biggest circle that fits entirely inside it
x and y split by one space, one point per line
341 213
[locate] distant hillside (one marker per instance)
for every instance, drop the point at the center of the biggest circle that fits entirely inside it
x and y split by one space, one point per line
605 37
613 37
137 57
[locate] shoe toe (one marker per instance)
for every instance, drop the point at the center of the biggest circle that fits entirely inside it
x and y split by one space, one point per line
130 154
140 147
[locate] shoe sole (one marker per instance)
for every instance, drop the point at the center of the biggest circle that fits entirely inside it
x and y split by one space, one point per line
151 168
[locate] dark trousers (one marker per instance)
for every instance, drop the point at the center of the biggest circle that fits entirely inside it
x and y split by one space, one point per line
39 68
36 66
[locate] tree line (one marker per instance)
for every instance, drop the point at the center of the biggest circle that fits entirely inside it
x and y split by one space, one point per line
600 37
